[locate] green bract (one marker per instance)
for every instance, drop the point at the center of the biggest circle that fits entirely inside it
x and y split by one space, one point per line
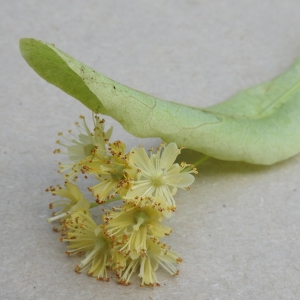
260 125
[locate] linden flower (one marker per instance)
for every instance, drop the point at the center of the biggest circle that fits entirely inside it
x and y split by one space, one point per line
86 237
131 225
118 259
88 144
156 255
72 200
114 174
158 175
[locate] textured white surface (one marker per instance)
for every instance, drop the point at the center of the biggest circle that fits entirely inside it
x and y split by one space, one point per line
237 229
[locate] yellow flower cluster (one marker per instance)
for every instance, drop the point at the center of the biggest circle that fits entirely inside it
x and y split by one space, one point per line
129 238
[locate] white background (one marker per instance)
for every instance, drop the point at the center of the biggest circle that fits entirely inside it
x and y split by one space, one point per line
237 229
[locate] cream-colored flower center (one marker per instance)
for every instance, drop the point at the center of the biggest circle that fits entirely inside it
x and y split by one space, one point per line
158 178
88 149
101 243
140 218
117 173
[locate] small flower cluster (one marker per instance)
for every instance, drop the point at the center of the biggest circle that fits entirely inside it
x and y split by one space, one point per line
129 238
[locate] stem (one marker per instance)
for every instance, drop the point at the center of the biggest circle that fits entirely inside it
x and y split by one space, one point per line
196 163
95 204
201 160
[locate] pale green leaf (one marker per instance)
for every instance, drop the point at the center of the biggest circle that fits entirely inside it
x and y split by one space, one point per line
259 125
